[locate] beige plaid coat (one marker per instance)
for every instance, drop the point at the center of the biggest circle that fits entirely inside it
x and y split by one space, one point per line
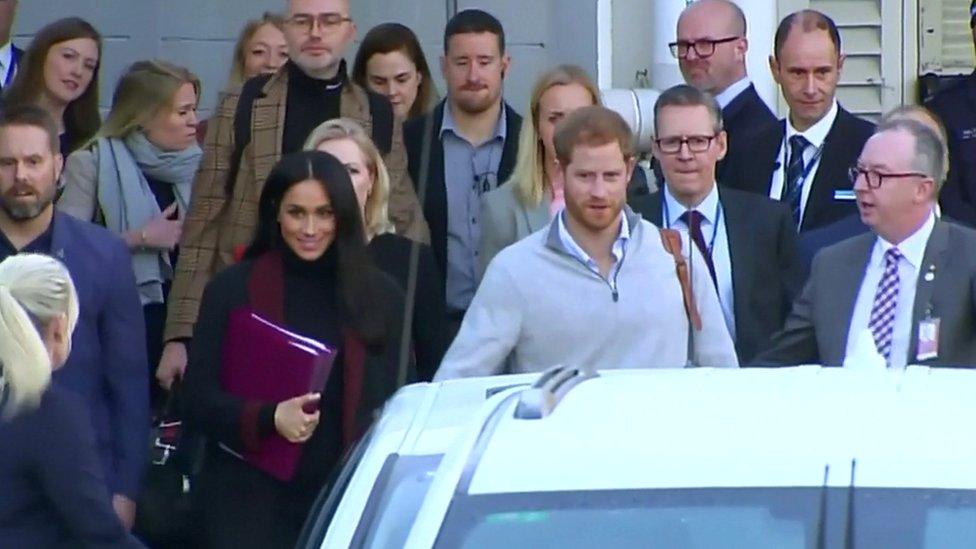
216 224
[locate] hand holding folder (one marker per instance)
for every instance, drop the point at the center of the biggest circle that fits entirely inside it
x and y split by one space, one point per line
265 362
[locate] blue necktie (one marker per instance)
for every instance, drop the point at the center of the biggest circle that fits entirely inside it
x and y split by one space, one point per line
882 321
793 183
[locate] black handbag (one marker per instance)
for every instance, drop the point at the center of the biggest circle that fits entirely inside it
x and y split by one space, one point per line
165 511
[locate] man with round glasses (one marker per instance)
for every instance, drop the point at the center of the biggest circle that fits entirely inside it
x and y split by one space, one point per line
711 48
748 241
904 293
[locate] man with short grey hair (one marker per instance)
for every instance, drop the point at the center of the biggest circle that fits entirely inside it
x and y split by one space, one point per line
916 299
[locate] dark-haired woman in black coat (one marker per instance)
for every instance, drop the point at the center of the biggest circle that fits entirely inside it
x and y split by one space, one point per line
307 270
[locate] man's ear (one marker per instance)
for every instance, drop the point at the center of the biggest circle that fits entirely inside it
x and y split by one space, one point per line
58 166
774 68
631 164
722 142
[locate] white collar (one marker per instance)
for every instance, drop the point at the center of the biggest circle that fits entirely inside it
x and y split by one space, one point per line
623 235
6 56
817 133
912 248
733 91
708 207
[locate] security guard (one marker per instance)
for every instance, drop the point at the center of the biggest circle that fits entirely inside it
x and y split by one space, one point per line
956 108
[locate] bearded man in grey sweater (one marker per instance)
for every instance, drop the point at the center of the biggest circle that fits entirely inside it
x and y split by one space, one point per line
594 289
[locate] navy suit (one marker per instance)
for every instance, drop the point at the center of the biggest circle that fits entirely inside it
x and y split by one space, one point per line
53 492
107 365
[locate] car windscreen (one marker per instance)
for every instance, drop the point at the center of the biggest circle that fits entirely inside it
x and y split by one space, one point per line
714 518
395 500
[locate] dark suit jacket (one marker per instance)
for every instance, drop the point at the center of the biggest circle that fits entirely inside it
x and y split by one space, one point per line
753 171
108 365
762 250
433 194
54 492
817 239
745 115
816 330
956 107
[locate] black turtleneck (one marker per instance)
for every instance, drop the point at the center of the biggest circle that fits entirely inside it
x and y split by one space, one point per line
311 101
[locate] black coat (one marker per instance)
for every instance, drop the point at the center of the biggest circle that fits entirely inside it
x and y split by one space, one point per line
433 191
745 115
753 172
52 491
763 255
956 107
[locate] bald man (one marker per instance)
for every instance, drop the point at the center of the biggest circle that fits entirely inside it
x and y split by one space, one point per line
711 49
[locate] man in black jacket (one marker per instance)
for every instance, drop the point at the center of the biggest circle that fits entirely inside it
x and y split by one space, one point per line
748 241
466 147
804 159
711 49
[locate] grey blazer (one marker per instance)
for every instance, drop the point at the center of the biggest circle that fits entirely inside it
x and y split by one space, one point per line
816 329
505 221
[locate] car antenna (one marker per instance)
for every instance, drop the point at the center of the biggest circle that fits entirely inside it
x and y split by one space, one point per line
821 542
849 525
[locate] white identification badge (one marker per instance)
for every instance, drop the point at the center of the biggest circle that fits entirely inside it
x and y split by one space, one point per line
844 194
928 339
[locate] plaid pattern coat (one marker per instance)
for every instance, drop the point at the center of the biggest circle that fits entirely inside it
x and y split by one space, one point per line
218 224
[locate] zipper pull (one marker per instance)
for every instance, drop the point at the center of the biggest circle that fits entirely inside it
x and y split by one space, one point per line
616 296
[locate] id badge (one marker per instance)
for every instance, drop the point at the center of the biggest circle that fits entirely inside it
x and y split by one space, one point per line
928 339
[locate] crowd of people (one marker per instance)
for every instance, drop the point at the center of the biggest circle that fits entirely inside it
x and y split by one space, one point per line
422 239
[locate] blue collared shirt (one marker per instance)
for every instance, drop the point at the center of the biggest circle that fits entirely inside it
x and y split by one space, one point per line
469 172
709 208
618 249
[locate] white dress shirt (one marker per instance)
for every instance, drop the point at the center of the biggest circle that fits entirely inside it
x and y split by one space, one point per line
618 249
710 208
816 135
731 92
909 266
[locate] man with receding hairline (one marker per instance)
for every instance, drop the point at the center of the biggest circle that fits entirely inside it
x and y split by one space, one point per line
254 125
902 294
711 49
594 289
803 160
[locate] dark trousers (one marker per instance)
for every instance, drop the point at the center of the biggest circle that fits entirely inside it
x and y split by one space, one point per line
242 507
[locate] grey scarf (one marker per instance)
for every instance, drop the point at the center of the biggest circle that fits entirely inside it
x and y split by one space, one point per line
127 202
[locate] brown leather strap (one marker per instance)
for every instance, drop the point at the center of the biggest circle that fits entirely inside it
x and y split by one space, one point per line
671 239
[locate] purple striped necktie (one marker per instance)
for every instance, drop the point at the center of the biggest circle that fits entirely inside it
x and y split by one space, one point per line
882 321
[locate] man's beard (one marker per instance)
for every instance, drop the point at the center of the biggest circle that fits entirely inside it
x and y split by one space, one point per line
23 212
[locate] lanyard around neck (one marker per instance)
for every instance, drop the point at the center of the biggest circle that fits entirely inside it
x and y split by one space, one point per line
807 168
718 218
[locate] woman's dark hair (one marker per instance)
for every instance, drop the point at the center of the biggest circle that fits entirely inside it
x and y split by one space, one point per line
391 37
81 118
360 304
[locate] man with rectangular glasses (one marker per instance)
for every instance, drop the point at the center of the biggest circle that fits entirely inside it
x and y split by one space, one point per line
904 293
748 241
711 50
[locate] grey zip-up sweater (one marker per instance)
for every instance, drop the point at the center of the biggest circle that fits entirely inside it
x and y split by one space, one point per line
543 306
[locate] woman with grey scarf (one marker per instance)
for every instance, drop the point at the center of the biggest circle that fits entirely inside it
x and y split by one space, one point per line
135 178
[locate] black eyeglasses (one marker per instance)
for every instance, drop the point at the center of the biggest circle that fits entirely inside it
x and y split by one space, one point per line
875 178
696 143
703 48
328 22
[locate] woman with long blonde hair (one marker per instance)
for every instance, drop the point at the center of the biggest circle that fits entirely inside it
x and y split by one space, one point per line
348 141
52 492
531 197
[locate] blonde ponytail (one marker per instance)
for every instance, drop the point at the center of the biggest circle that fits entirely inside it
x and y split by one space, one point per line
33 290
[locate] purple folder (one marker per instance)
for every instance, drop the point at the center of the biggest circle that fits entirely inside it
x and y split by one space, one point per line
263 361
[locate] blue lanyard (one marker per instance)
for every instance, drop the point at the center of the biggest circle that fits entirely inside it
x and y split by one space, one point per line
806 169
718 218
14 60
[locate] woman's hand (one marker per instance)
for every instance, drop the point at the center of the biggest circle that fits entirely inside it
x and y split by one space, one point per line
162 232
294 423
172 364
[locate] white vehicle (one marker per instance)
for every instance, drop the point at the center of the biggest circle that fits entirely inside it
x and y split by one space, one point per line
699 458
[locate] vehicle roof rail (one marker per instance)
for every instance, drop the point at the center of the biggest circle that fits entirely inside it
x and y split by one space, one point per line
539 400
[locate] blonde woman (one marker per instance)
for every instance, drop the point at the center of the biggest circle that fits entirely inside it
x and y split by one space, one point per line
530 199
53 494
347 141
260 49
136 177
